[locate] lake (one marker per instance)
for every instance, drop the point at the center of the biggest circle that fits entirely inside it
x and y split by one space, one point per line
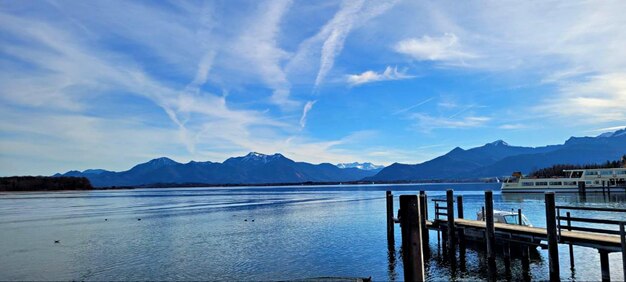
248 233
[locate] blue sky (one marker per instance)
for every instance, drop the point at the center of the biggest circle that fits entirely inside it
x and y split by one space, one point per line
108 84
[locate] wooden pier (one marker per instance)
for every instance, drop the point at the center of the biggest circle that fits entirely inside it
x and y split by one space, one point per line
456 230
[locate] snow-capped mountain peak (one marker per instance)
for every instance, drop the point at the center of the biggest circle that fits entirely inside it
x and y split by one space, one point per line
259 157
617 133
498 143
362 166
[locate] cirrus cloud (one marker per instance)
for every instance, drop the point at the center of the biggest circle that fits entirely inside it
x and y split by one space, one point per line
372 76
445 48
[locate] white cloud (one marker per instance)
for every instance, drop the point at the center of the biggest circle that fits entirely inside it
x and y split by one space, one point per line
372 76
445 48
595 100
351 15
307 107
413 106
513 126
609 129
427 122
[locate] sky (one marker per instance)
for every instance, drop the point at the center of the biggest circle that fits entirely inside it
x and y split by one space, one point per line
109 84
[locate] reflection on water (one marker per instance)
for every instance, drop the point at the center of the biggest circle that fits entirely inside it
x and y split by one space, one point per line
276 233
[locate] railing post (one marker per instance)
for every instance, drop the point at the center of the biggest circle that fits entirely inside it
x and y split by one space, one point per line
553 247
450 213
571 247
490 233
390 222
411 239
519 217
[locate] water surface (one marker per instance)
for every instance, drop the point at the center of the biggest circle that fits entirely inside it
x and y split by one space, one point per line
246 233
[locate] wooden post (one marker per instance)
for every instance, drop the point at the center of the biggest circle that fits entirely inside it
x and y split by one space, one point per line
525 258
604 265
507 256
484 215
553 247
460 231
390 223
622 235
459 205
411 239
571 247
425 204
490 233
450 212
581 188
425 235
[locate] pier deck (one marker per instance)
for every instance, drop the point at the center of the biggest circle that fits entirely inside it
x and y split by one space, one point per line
561 228
610 243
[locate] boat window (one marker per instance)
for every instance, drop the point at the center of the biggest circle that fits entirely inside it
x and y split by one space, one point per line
511 219
588 182
557 183
597 182
528 184
607 172
569 182
541 183
621 172
577 174
592 172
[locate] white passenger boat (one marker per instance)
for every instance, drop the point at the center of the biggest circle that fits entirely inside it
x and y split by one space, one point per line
593 180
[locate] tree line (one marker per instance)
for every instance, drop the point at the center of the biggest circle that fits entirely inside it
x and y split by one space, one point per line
43 183
557 170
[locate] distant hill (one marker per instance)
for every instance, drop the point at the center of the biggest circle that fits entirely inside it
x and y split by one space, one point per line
501 159
254 168
43 183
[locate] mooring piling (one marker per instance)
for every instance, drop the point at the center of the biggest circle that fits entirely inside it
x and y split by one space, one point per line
604 265
459 206
553 247
460 231
424 228
411 238
490 233
390 221
622 235
450 214
571 247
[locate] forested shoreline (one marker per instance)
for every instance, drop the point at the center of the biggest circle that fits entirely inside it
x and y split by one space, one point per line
43 183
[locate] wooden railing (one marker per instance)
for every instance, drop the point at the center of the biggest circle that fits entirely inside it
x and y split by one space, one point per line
571 220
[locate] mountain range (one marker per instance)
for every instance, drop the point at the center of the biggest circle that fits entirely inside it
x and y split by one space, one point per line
495 159
254 168
498 159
